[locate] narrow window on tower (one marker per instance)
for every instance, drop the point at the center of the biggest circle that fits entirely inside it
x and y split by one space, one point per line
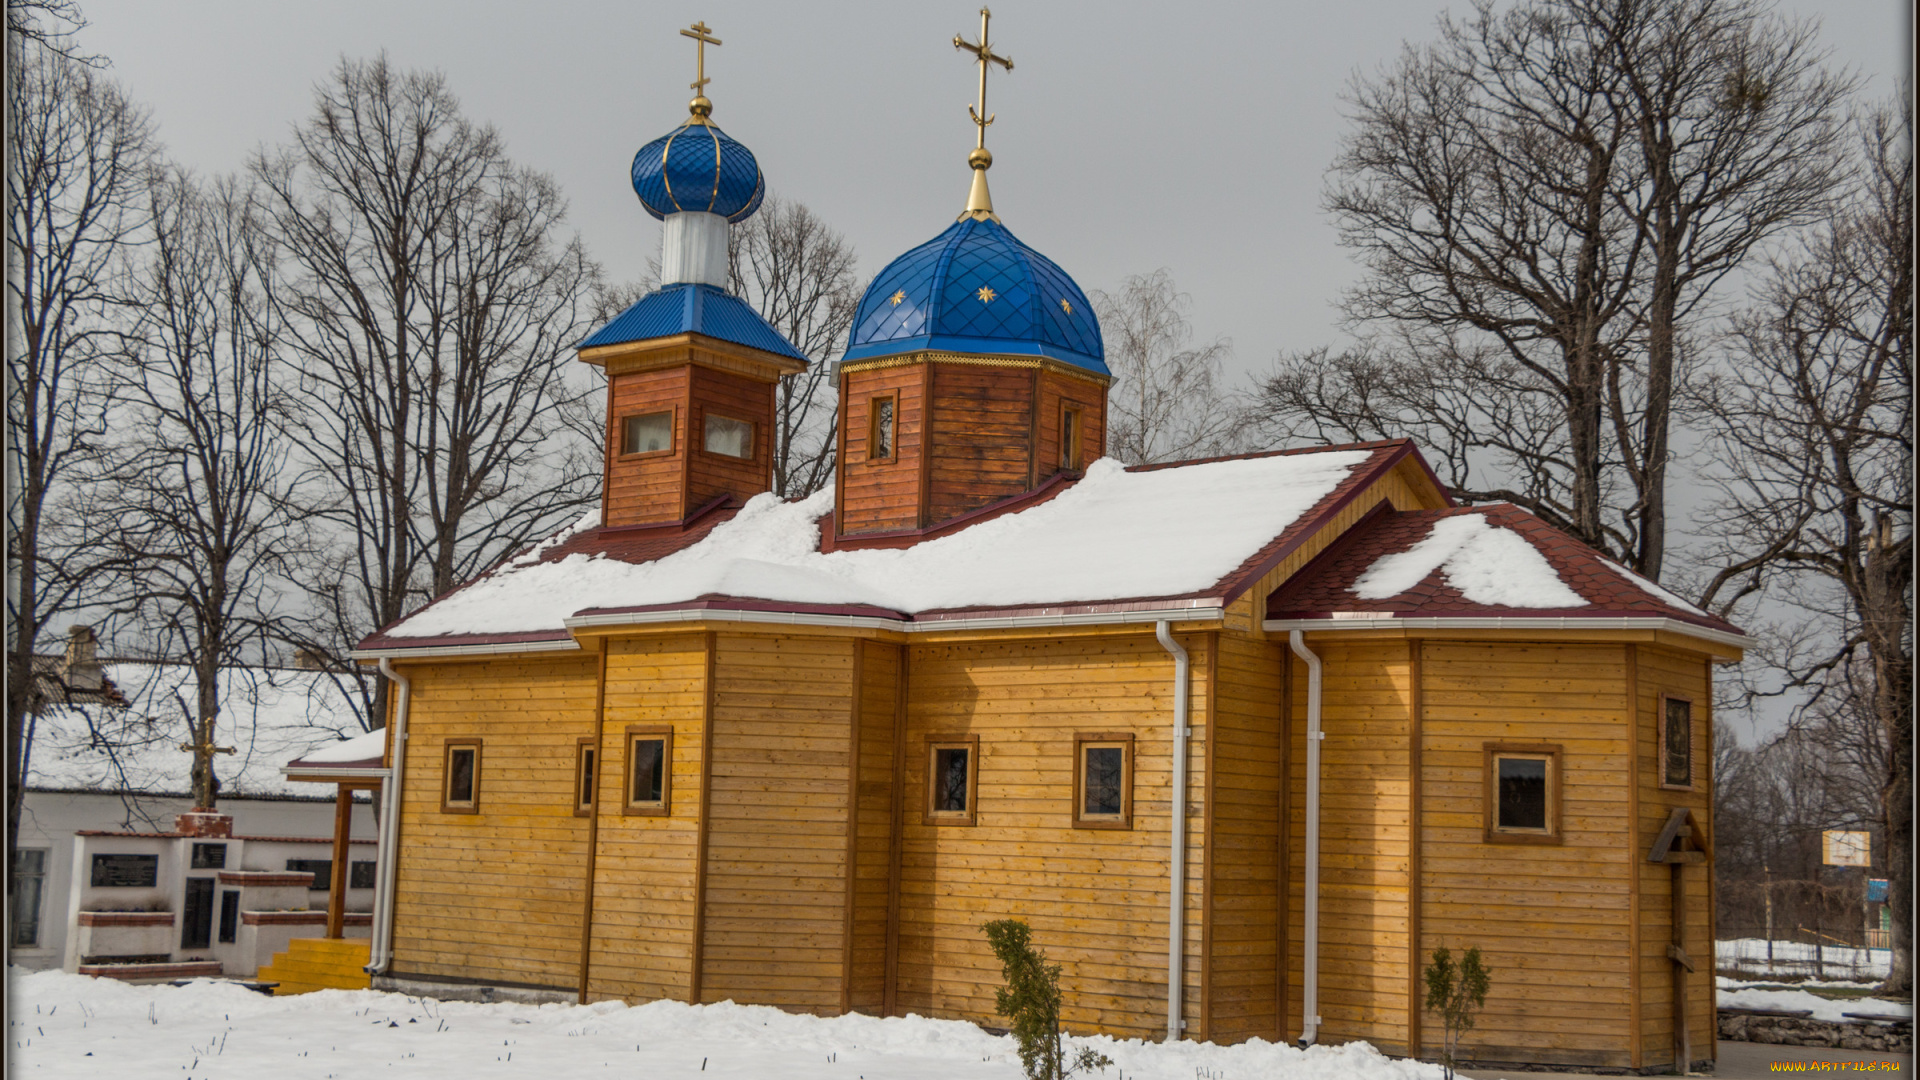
1676 742
1522 793
1069 437
649 770
461 793
583 776
648 433
880 429
730 437
1103 781
953 778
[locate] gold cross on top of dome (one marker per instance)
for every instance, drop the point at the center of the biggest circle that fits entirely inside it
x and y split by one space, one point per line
703 34
984 55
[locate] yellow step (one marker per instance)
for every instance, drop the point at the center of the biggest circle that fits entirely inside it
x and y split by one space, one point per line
311 964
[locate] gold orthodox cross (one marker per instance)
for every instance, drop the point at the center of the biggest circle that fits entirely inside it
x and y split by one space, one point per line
983 52
205 747
700 32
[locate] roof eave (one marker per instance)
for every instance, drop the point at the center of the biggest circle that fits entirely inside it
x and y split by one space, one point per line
1731 644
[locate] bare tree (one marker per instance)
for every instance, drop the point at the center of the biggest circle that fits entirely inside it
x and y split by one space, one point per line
799 274
1544 201
77 154
202 487
1812 421
430 302
1166 403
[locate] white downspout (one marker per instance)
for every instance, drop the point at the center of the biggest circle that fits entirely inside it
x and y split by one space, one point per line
1177 842
380 950
1310 998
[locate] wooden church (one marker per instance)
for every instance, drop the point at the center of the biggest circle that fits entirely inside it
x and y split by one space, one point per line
1243 740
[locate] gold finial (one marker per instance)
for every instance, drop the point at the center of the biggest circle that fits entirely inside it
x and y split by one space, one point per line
702 33
979 203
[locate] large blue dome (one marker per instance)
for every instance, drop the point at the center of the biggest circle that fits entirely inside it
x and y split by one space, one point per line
976 288
698 167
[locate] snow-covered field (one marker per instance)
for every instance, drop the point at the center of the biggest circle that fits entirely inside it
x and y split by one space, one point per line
1829 1009
63 1025
1749 955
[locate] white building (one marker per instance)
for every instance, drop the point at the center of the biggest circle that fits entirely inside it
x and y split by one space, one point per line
103 776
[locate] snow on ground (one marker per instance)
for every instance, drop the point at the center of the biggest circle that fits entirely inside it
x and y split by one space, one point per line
1822 1008
63 1025
1749 956
1726 983
1114 535
269 715
1488 564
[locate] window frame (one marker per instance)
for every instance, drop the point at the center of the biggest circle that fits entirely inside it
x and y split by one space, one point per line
935 744
32 916
448 805
671 412
753 435
585 775
1072 431
1693 759
873 427
1084 741
664 807
1492 832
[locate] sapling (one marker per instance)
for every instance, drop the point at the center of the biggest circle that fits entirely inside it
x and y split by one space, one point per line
1031 999
1454 993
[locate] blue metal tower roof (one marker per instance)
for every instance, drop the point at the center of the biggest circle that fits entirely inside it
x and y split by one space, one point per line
976 288
697 309
698 167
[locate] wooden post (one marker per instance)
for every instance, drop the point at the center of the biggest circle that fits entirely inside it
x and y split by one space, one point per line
337 887
1682 1038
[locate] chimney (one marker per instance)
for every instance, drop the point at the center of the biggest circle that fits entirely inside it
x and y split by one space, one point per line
81 666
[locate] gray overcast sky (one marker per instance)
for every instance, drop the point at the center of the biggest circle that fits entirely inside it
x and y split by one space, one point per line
1130 136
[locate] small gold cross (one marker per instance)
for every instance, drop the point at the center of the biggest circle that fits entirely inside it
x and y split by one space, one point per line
984 54
700 32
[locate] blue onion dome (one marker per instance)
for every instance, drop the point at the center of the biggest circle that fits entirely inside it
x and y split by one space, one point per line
977 289
698 167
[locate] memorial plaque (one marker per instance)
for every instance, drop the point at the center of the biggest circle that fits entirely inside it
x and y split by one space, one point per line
209 856
360 876
126 871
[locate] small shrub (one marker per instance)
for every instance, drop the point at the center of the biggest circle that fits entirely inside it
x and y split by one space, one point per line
1454 993
1031 999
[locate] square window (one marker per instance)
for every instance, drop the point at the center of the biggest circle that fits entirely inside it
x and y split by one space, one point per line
953 780
583 777
360 874
729 437
648 433
880 429
1522 793
321 869
1103 781
649 770
1676 742
1069 437
461 794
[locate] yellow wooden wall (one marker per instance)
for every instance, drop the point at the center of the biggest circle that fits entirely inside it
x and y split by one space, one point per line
1096 899
777 842
1550 920
1364 842
1243 896
881 716
646 869
1660 671
516 868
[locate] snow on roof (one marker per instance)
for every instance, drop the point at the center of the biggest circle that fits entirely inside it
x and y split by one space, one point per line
369 746
269 716
1117 534
1488 564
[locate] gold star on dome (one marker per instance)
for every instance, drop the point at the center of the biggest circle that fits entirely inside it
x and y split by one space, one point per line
1066 307
896 298
985 294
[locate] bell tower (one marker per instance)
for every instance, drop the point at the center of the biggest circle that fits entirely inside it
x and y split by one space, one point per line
691 369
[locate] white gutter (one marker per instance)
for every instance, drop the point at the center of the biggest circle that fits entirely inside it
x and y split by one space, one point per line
1310 998
491 648
1177 823
380 950
1343 620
